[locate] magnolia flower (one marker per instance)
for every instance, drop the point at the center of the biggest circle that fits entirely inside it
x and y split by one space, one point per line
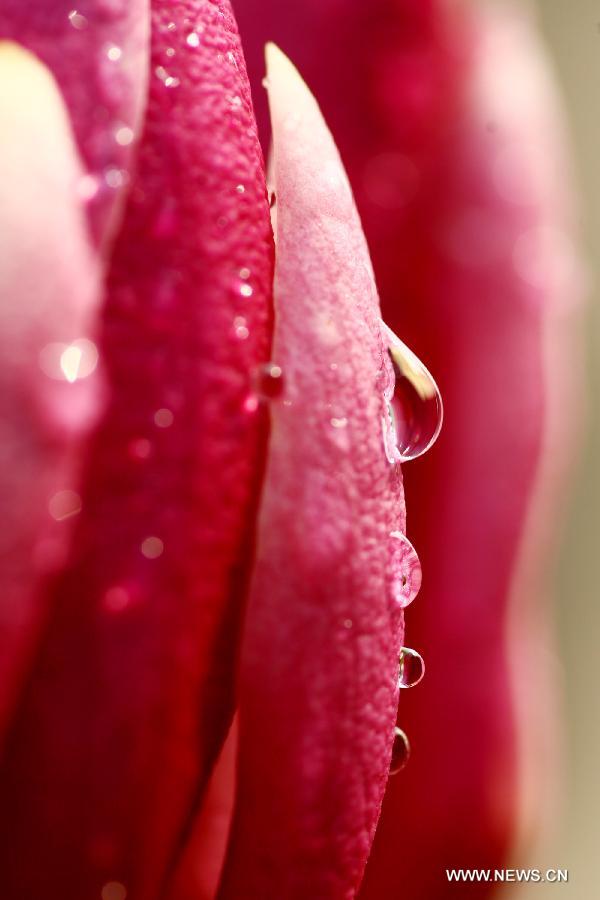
203 423
169 456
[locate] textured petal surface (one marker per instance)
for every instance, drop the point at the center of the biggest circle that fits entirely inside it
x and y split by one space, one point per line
450 135
131 693
49 293
319 664
98 53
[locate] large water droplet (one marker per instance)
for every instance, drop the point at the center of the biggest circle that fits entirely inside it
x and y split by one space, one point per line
412 668
400 751
415 404
406 570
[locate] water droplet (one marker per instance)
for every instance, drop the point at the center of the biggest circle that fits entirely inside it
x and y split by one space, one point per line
163 418
235 102
240 328
269 381
124 135
77 20
114 890
152 547
348 623
406 570
170 52
193 39
116 599
114 53
116 178
246 290
340 422
244 273
416 410
250 404
169 81
240 188
64 505
69 362
140 448
400 751
412 668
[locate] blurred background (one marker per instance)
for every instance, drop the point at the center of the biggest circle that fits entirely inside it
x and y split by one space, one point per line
572 33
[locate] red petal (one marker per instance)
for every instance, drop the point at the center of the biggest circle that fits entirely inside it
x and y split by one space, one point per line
49 285
422 153
98 53
131 694
319 665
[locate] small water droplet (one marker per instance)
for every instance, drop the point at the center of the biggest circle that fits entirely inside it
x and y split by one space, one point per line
240 328
250 404
152 547
244 273
340 422
114 890
116 178
64 505
193 39
77 20
269 381
412 668
240 188
415 404
246 290
170 52
169 81
171 26
114 53
140 448
400 751
116 599
406 569
124 135
348 623
163 418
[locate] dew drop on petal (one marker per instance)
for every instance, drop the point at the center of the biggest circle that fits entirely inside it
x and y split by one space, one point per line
64 505
246 290
152 547
416 409
114 53
124 135
269 381
77 20
163 418
412 668
193 39
406 570
114 890
400 751
116 599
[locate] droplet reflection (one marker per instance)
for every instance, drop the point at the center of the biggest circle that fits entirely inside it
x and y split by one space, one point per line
400 751
406 570
415 405
412 668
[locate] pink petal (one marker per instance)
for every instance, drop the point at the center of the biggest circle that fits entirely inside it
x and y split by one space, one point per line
98 52
132 691
319 665
49 286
